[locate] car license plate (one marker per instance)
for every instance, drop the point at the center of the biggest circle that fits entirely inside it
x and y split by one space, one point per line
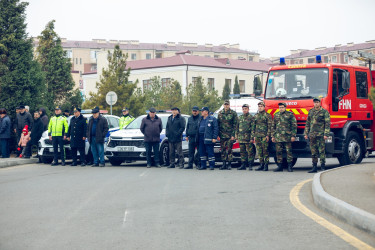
125 149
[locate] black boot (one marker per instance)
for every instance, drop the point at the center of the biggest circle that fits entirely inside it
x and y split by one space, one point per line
314 168
251 165
290 167
229 167
224 166
261 167
265 165
323 166
243 166
279 167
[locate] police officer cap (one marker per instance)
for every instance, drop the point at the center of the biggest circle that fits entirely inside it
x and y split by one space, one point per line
152 110
282 104
316 99
245 105
195 108
226 102
205 109
262 103
57 108
66 111
22 106
125 109
95 110
77 110
18 107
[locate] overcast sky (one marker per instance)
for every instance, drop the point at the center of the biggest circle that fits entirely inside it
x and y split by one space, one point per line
269 27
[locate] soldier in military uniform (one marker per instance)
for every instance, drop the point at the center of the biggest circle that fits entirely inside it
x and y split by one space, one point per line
284 130
261 132
317 129
227 121
243 137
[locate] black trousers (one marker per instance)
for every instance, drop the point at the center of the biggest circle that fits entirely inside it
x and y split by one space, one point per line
28 147
58 142
192 146
173 147
81 154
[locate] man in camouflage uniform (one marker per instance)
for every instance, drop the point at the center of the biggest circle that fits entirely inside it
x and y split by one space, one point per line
284 130
243 137
227 121
317 129
261 132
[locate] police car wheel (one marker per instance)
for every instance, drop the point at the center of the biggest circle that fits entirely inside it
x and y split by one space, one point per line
46 160
115 161
164 154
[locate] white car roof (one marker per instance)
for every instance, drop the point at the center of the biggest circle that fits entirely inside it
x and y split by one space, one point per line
236 104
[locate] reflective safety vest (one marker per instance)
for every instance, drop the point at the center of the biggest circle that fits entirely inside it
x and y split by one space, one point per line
58 126
125 120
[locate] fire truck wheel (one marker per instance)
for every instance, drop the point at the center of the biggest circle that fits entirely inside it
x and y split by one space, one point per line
353 150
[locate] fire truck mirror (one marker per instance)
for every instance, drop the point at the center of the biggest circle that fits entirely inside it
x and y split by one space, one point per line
345 80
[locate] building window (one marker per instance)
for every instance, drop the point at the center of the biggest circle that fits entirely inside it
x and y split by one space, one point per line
251 59
80 61
158 55
146 84
134 56
240 58
229 81
242 86
211 83
310 60
76 60
93 67
361 83
207 56
194 80
93 54
346 58
216 56
334 59
301 61
148 56
69 54
165 82
326 59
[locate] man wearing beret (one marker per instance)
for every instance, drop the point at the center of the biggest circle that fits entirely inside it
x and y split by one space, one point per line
57 129
317 129
284 130
227 122
175 128
77 136
96 132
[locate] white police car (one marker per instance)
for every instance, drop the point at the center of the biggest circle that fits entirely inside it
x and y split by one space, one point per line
127 144
45 148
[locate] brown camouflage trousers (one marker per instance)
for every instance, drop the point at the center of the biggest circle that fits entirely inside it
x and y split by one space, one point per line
247 152
262 149
280 146
318 149
226 146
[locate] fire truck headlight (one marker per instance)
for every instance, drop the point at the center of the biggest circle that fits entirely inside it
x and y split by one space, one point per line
329 139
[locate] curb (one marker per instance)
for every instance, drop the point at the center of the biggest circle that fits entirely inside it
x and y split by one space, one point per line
340 209
16 162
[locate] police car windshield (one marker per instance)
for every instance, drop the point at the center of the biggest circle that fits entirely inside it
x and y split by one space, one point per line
297 83
136 124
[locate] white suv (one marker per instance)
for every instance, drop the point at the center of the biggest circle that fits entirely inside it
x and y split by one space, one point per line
127 144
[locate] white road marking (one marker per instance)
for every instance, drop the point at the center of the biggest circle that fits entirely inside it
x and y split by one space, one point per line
143 174
125 215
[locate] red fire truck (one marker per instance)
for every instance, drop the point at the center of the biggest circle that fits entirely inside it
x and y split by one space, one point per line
343 90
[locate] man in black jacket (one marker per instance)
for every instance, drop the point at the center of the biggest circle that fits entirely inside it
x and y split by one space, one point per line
191 132
174 130
77 136
151 128
96 132
36 134
43 117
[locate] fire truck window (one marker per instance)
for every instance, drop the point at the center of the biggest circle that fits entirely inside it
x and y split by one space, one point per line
361 83
337 88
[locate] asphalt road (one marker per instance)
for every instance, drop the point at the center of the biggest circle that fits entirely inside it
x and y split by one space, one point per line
132 207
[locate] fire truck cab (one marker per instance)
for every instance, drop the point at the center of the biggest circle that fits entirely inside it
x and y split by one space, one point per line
343 90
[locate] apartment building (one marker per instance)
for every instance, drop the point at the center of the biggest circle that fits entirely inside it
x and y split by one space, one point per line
186 68
336 54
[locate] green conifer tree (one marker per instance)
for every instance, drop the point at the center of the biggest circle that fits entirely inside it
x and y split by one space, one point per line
236 87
